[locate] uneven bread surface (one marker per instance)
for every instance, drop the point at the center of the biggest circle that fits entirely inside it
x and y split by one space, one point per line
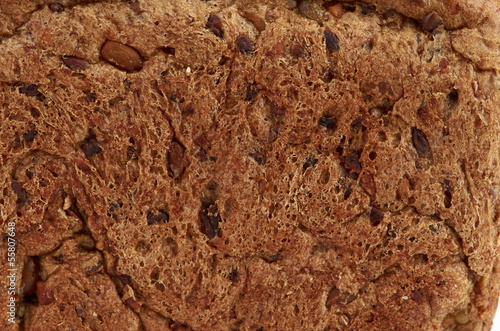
251 165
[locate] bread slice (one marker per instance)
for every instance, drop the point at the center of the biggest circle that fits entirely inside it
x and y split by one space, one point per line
250 165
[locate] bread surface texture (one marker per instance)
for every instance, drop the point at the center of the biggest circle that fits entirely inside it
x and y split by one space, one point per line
250 165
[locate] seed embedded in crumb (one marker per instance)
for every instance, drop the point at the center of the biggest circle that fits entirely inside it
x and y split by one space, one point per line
75 63
431 22
56 7
420 142
214 24
244 45
44 295
336 10
297 51
67 203
344 320
121 56
331 40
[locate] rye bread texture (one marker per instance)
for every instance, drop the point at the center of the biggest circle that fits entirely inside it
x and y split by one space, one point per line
250 165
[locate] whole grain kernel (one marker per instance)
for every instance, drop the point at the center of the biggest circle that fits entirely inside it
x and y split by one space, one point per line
297 50
95 267
210 220
312 10
157 218
91 97
136 7
67 203
90 145
368 183
376 216
291 4
30 90
419 141
258 156
44 295
344 320
461 317
352 162
336 10
214 24
87 243
20 191
175 160
56 7
244 45
475 88
75 63
310 162
331 40
134 304
431 22
251 92
121 56
233 275
169 50
30 135
417 296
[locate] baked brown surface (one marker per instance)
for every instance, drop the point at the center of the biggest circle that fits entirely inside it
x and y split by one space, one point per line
251 165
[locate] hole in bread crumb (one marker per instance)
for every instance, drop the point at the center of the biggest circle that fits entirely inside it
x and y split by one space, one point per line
372 155
142 247
368 46
452 98
478 122
347 193
381 136
155 274
447 199
29 173
325 177
376 112
160 287
396 139
171 246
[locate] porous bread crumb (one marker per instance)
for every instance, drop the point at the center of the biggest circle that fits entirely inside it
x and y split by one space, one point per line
251 165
